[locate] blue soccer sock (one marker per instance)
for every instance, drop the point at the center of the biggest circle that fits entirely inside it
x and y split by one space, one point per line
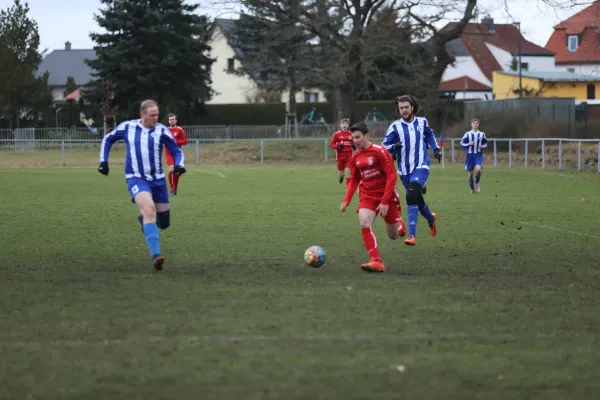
427 214
413 215
471 183
477 177
151 234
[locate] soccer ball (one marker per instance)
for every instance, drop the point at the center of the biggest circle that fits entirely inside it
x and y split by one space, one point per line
315 257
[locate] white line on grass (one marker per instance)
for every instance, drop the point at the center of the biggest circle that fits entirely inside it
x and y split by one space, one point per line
213 173
551 228
263 338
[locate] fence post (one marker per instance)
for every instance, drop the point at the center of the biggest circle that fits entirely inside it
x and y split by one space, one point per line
579 156
262 151
326 151
543 154
495 156
598 157
560 154
197 151
452 144
526 151
62 153
509 153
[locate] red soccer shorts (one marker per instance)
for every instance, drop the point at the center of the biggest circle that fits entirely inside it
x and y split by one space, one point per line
169 157
393 215
342 162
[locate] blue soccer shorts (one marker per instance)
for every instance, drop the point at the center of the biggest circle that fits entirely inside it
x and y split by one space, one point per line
472 160
158 189
418 175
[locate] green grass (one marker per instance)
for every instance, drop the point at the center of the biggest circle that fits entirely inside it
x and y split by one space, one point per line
503 304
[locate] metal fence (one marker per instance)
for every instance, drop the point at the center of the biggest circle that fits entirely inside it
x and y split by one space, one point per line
561 153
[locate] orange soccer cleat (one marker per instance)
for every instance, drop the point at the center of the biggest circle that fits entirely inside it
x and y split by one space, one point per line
411 241
401 228
373 266
432 227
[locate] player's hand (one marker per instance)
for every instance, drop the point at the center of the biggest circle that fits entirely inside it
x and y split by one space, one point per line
480 146
103 168
437 154
343 207
340 147
471 143
396 147
179 170
382 209
353 147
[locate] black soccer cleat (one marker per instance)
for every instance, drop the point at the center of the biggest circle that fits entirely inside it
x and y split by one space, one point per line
172 193
175 192
341 179
424 189
158 262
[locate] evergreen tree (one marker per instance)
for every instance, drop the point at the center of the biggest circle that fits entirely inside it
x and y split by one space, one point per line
151 49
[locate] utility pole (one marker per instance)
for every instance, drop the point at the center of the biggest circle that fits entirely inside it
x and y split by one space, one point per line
520 64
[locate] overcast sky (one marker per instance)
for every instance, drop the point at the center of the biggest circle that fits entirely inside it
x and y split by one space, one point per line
72 20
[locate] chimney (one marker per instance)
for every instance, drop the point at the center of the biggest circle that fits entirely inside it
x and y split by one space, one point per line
489 21
67 45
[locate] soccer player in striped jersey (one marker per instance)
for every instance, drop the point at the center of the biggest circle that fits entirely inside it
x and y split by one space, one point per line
474 142
408 139
144 139
372 170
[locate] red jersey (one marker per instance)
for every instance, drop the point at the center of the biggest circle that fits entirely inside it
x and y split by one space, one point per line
344 139
179 135
373 171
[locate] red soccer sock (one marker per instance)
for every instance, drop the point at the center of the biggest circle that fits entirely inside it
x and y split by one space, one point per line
176 181
171 180
370 243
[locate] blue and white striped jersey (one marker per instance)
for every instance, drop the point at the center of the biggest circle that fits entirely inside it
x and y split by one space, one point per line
477 138
144 149
415 137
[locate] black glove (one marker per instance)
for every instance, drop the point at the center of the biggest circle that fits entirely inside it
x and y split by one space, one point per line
396 147
178 170
437 154
103 168
340 147
353 147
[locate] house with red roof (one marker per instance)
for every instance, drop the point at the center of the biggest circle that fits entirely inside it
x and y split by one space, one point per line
484 48
576 42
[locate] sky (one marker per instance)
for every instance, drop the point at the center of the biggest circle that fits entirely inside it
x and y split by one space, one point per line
60 21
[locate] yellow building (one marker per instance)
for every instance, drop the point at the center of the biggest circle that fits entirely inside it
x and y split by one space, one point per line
505 85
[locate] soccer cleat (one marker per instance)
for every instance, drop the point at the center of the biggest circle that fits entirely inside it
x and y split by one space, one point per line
141 219
373 266
341 179
477 190
175 192
433 227
472 191
424 189
158 261
172 193
401 229
411 241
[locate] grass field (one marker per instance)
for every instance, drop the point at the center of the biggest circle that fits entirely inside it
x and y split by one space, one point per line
503 304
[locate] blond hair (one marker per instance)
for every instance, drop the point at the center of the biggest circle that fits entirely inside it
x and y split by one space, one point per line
147 104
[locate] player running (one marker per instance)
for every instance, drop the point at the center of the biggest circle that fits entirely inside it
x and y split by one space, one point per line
372 172
144 139
474 142
408 139
341 141
181 140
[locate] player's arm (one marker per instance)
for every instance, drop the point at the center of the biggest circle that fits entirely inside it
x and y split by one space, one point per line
391 177
484 141
178 158
392 140
465 142
182 140
335 141
430 136
352 185
107 141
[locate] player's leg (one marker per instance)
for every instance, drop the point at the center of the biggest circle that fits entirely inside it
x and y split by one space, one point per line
141 193
394 226
366 216
341 166
478 164
171 179
421 175
469 167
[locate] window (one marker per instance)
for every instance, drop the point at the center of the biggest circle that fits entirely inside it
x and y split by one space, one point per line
591 91
572 42
311 97
571 70
230 64
524 66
